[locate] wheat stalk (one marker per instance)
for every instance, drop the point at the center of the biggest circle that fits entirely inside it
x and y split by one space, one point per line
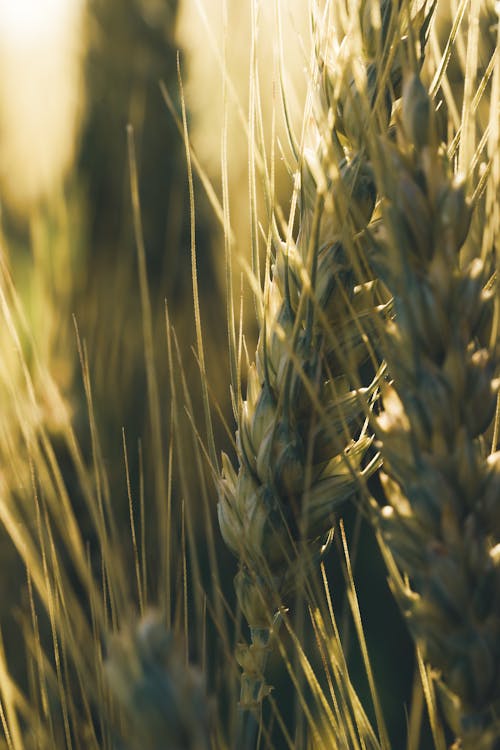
441 523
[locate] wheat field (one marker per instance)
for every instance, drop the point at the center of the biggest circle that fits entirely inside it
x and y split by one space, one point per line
249 373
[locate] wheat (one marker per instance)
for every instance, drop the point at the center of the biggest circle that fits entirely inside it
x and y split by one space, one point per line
163 699
301 440
377 340
442 521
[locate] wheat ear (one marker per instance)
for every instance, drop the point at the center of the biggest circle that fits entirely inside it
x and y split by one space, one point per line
302 446
163 699
442 523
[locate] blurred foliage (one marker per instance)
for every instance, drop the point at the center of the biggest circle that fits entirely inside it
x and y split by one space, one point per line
73 260
131 50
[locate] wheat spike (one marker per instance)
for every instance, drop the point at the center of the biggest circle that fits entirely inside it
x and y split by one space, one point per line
302 439
442 521
163 699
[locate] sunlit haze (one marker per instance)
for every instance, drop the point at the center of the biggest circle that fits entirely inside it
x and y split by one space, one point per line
40 95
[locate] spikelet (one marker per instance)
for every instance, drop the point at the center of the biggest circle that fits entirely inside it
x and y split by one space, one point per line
163 699
442 521
302 442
